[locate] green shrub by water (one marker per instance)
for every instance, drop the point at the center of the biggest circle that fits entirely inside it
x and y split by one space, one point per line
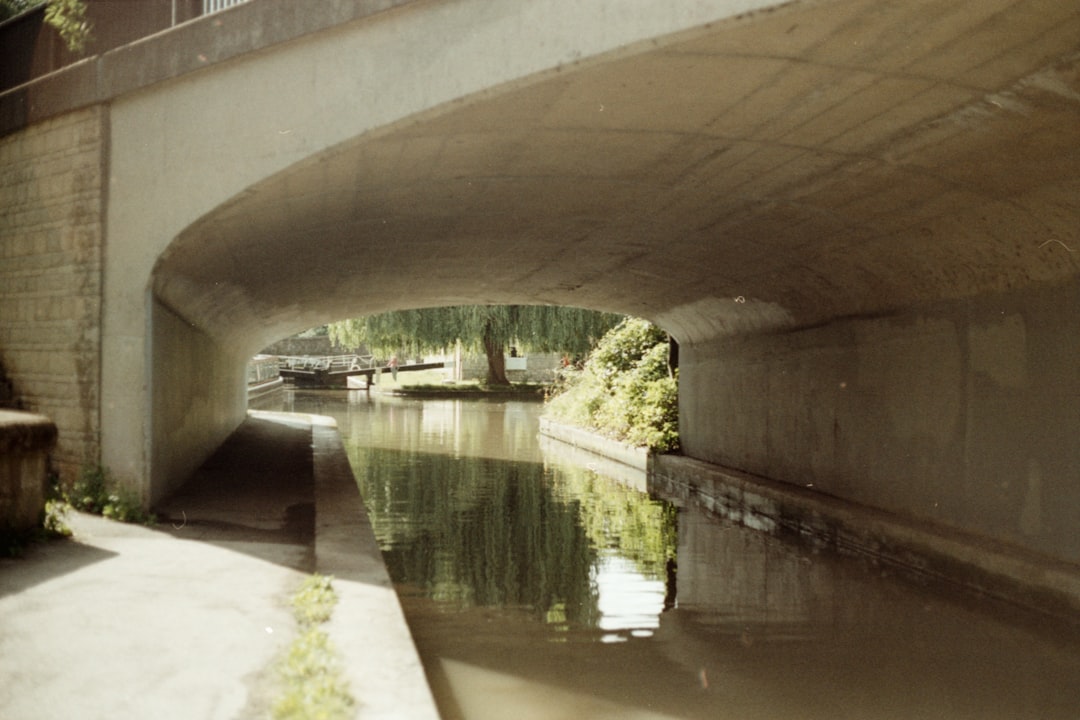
625 390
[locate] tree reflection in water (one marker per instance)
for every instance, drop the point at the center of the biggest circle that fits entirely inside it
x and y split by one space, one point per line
493 533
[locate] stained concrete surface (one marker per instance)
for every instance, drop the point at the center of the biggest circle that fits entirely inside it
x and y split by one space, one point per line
185 619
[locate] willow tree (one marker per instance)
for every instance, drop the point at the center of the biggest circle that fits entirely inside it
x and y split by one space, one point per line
487 328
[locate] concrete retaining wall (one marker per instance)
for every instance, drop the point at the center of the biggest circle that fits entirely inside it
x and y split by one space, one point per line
921 549
634 457
964 415
620 462
25 442
201 399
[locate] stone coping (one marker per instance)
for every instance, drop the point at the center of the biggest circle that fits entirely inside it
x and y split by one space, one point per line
23 431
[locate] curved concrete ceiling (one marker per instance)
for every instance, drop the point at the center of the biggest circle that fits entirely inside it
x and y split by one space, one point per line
781 170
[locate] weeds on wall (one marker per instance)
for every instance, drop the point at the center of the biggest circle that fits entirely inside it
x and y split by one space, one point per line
97 493
54 518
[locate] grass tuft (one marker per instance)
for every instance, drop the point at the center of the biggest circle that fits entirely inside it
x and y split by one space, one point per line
310 671
314 602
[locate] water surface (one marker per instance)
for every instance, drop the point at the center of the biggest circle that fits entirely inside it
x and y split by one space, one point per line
536 587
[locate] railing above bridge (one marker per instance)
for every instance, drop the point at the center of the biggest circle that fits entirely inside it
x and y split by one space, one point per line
30 48
212 6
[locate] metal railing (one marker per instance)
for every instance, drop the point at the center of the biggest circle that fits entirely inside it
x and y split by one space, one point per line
262 368
28 51
213 6
332 363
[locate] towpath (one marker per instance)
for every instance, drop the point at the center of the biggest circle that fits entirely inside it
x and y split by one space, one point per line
185 619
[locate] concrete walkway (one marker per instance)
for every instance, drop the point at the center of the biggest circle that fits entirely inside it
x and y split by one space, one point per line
185 619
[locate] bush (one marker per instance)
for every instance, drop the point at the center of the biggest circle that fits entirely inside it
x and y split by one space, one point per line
626 390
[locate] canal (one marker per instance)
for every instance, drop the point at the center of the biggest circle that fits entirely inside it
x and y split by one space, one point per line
537 587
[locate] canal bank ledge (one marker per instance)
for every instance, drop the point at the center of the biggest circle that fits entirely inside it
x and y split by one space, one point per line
381 663
919 550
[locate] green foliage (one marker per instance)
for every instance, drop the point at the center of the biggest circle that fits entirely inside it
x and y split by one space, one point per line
472 388
312 684
314 601
318 331
55 514
621 350
54 518
487 328
540 328
68 17
97 493
309 665
626 389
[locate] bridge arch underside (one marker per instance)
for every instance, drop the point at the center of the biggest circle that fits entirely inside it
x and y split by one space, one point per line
862 228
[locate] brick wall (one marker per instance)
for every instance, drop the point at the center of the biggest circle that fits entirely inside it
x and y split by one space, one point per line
51 215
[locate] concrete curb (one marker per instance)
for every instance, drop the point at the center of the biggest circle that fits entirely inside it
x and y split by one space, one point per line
635 457
368 627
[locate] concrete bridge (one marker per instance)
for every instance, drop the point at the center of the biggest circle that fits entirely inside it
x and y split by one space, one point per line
859 218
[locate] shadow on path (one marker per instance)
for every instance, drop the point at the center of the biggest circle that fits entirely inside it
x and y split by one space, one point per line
46 561
253 495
